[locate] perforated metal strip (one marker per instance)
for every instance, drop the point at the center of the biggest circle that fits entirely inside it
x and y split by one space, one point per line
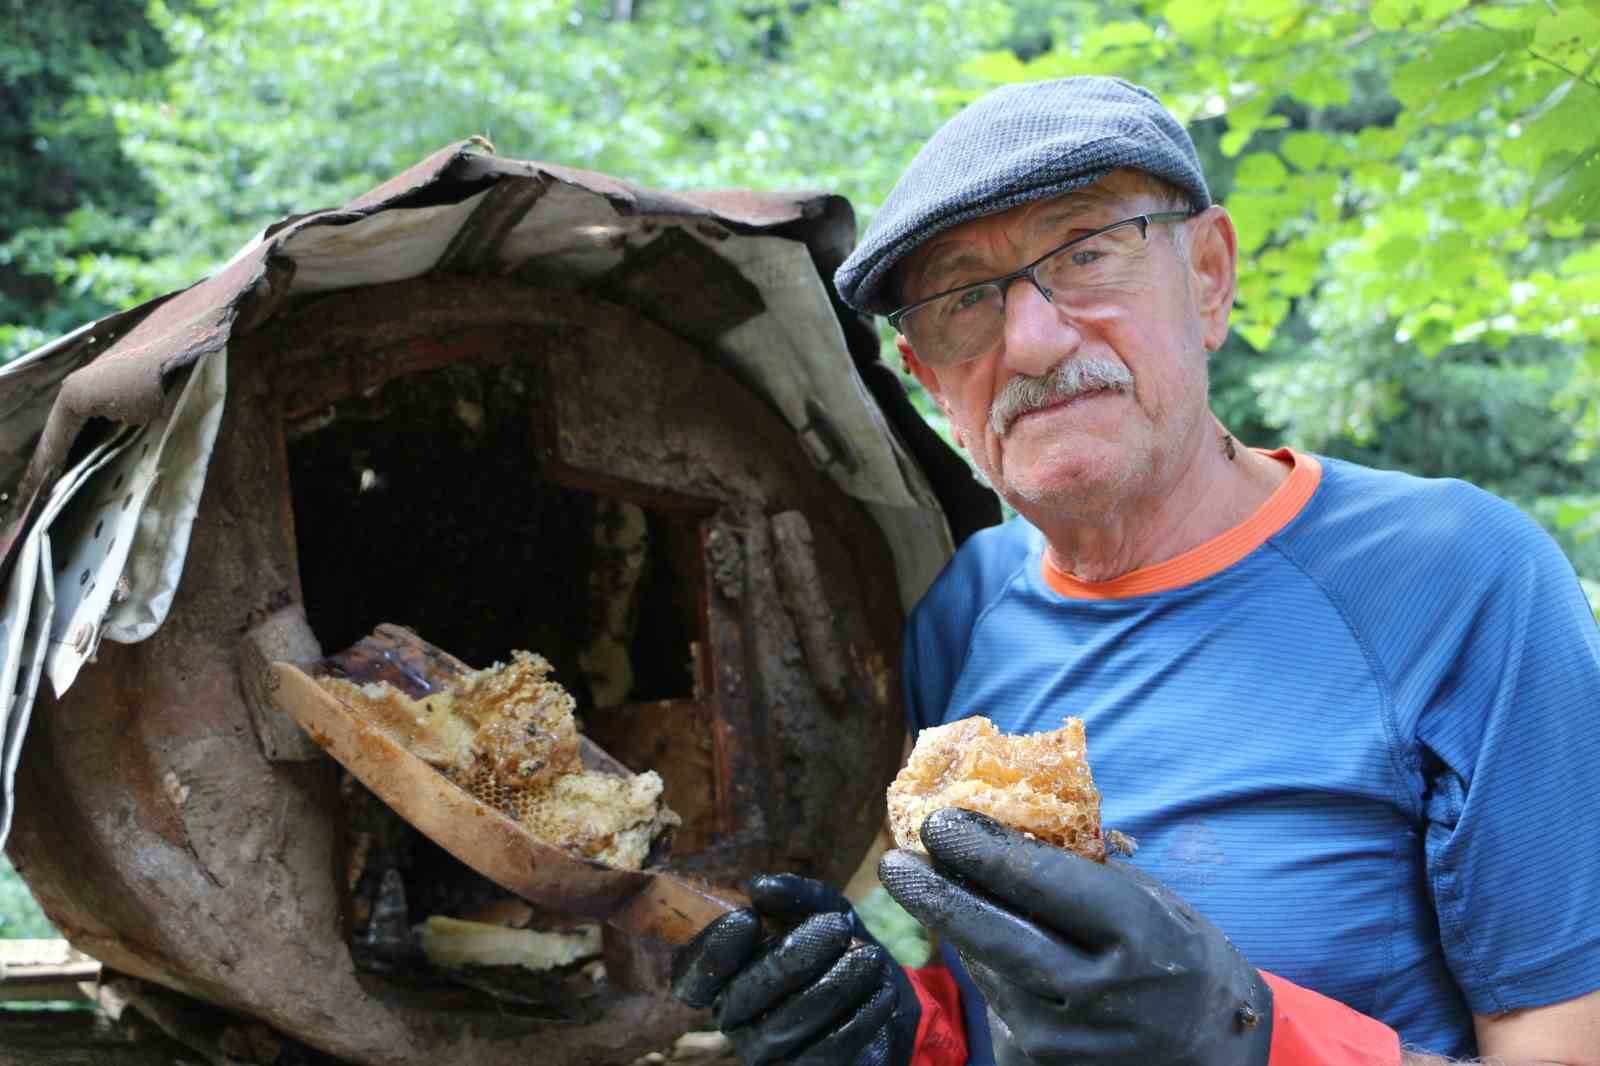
27 614
121 511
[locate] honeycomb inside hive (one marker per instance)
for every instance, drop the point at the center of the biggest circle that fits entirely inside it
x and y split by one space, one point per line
506 735
1039 783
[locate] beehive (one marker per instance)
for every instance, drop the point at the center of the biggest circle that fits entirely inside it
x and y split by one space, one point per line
435 396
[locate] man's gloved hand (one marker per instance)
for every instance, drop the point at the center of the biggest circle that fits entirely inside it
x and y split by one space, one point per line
1081 963
823 994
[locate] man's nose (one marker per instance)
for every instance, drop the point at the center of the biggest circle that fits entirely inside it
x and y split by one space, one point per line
1037 335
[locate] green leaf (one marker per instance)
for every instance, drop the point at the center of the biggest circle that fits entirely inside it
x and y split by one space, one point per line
1399 253
1510 16
1300 266
1393 14
1384 177
1002 67
1572 28
1319 89
1460 54
1252 111
1567 120
1570 514
1267 10
1318 191
1233 142
1258 214
1339 153
1377 142
1259 319
1455 265
1306 150
1193 23
1118 35
1568 186
1256 334
1246 118
1260 170
1271 70
1433 336
1586 261
1463 100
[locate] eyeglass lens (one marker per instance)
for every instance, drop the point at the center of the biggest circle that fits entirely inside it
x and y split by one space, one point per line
1079 277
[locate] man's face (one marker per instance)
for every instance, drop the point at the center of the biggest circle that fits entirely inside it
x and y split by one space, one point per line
1131 355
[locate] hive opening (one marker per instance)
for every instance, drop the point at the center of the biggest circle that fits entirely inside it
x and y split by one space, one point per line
421 502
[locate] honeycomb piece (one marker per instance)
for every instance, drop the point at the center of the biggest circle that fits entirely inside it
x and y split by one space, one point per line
1039 783
455 943
525 724
604 817
506 735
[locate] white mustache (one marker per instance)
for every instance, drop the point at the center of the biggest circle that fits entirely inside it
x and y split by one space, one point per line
1068 380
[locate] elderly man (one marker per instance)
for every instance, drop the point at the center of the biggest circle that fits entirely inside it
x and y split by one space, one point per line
1349 714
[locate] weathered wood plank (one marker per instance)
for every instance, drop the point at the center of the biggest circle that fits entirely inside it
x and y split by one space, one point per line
44 970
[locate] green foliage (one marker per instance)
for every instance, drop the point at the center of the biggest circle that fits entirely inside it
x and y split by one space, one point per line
62 171
1415 185
290 105
20 916
900 934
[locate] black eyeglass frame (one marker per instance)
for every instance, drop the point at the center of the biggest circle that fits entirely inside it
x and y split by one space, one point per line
1003 282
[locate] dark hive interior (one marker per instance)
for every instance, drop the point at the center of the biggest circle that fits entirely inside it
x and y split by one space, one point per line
421 502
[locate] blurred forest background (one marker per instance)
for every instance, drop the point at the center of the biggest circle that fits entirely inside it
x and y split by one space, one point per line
1416 182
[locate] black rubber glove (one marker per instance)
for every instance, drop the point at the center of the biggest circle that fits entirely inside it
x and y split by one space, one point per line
825 993
1081 963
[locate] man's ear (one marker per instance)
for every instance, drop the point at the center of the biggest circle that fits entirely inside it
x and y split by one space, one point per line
1213 271
924 374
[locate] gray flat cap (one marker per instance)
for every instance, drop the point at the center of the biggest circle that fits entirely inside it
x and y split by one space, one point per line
1018 144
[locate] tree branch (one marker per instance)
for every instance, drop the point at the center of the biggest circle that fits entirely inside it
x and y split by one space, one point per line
1582 76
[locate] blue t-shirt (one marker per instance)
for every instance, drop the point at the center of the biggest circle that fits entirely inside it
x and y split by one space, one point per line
1358 733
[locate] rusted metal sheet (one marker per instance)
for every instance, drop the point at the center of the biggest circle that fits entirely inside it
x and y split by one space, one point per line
172 837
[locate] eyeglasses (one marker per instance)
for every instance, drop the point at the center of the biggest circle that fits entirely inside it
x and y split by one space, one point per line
955 327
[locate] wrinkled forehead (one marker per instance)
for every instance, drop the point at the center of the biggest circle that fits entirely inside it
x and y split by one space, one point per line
948 258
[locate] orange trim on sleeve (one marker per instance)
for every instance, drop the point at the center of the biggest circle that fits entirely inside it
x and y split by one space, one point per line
1309 1029
1211 557
941 1032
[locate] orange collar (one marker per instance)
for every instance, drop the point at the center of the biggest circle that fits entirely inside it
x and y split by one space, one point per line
1214 555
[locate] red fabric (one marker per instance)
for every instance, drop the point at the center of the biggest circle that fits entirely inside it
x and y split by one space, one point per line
941 1036
1309 1029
